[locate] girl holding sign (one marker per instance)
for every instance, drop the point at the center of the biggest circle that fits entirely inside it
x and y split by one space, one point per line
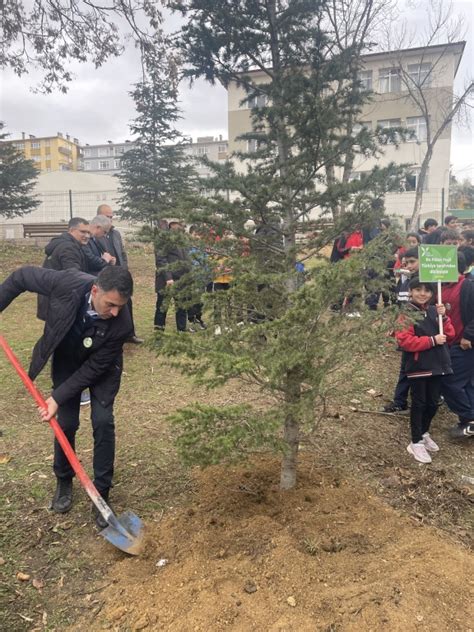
426 359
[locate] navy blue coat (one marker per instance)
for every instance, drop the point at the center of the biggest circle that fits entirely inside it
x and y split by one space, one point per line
101 366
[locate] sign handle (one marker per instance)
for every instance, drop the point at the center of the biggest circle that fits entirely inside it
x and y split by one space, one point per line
440 318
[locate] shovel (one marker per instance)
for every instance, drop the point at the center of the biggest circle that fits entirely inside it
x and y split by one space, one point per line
125 531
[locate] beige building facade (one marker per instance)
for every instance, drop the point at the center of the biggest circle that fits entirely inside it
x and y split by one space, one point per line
387 74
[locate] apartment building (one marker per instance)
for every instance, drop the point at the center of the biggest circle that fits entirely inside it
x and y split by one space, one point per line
435 67
215 149
105 157
50 153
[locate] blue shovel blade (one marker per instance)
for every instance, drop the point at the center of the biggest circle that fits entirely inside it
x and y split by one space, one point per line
127 534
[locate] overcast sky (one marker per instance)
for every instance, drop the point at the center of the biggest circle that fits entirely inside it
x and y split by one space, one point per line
98 108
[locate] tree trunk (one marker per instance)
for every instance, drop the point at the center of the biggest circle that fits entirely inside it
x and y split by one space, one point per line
420 184
291 433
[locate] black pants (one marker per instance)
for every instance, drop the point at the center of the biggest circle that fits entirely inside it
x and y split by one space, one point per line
161 311
424 404
130 307
103 429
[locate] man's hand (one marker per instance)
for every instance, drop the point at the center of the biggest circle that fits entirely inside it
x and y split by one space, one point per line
106 256
50 411
170 282
465 344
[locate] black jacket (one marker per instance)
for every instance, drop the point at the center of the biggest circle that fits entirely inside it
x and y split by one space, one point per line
433 361
62 253
467 309
172 262
93 252
101 364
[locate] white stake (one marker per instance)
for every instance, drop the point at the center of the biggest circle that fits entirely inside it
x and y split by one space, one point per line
440 318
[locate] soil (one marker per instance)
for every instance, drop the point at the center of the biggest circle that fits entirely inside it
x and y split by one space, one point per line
327 557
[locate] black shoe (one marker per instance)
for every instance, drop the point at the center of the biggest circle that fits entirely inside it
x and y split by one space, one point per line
461 431
135 340
201 323
100 521
62 499
394 408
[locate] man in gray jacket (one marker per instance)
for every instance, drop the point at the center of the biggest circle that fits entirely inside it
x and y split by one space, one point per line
113 244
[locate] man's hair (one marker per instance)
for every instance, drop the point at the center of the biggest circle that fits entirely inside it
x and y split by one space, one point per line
468 253
116 278
101 206
462 264
101 220
386 222
429 222
449 218
416 235
75 221
468 234
449 234
415 282
411 252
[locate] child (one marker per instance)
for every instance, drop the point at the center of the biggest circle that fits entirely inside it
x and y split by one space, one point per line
426 358
399 404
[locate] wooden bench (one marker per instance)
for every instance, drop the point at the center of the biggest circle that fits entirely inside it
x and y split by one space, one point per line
46 229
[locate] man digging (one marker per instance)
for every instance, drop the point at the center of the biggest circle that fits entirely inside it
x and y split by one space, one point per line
85 329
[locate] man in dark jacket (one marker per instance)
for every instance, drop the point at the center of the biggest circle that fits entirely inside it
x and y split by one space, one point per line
84 333
96 255
64 252
172 265
113 244
458 389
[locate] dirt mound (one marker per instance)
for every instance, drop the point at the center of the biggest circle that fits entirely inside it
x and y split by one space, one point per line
327 556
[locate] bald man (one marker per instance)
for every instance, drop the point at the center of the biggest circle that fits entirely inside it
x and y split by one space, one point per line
113 244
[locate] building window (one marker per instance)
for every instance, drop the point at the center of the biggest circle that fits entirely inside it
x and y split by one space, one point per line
389 124
365 77
410 182
87 152
417 125
358 127
87 166
104 164
389 80
253 145
36 158
257 101
119 150
20 146
222 149
117 164
201 151
420 74
35 145
105 151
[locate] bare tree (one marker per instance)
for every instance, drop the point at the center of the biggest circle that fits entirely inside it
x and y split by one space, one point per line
47 35
438 106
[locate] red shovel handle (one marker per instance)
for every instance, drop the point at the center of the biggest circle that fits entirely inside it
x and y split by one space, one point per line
60 436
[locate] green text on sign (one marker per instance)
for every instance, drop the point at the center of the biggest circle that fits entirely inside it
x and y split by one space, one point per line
438 263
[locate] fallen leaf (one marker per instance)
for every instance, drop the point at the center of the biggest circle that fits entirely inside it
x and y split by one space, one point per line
38 583
4 458
2 561
291 601
23 577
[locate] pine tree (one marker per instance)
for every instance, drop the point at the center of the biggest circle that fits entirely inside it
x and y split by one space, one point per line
279 333
17 180
156 178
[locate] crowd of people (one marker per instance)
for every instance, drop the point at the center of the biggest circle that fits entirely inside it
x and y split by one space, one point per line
436 366
85 292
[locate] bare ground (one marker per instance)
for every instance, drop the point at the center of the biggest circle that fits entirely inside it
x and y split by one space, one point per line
370 540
